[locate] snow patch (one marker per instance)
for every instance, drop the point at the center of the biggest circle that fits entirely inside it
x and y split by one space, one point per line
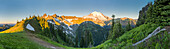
30 27
57 20
69 20
90 17
51 22
95 13
70 28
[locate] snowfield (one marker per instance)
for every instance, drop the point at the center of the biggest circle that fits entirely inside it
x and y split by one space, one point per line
30 27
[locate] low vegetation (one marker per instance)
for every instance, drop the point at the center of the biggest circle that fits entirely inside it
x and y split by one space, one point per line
17 40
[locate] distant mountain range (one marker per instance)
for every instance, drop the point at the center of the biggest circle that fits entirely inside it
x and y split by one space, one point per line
96 17
5 26
98 24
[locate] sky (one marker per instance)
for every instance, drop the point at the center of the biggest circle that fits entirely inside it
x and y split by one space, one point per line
13 10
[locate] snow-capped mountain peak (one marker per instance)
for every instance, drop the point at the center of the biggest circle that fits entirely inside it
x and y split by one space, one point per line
97 15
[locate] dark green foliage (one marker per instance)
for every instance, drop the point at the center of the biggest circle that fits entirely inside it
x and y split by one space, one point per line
90 40
99 33
158 46
76 41
86 39
117 31
134 35
128 27
159 13
82 42
113 22
46 29
150 18
142 14
112 27
160 41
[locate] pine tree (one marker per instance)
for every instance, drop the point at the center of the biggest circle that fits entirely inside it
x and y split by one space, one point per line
143 14
86 39
113 16
22 19
26 18
159 13
111 31
91 40
17 21
76 40
117 31
30 17
82 42
128 27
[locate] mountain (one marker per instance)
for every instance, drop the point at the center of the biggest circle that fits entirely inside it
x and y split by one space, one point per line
124 21
6 26
63 29
97 15
99 33
142 14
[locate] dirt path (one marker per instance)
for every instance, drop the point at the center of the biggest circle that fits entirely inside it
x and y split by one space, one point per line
41 42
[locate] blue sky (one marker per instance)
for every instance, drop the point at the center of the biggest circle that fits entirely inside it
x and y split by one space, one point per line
13 10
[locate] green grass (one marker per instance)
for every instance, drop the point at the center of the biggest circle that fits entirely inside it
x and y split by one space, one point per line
103 45
134 35
52 42
160 41
17 41
127 39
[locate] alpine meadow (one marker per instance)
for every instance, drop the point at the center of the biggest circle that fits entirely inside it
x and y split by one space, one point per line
85 24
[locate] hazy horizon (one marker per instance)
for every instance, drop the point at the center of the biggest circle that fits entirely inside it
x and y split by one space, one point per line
11 11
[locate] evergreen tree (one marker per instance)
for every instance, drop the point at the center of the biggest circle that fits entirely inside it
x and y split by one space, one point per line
143 14
111 31
17 21
117 31
91 40
82 42
86 39
26 18
113 16
128 27
22 19
159 13
76 40
30 17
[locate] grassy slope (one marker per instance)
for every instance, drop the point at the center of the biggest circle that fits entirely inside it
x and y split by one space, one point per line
129 38
160 41
17 28
17 41
125 41
134 35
